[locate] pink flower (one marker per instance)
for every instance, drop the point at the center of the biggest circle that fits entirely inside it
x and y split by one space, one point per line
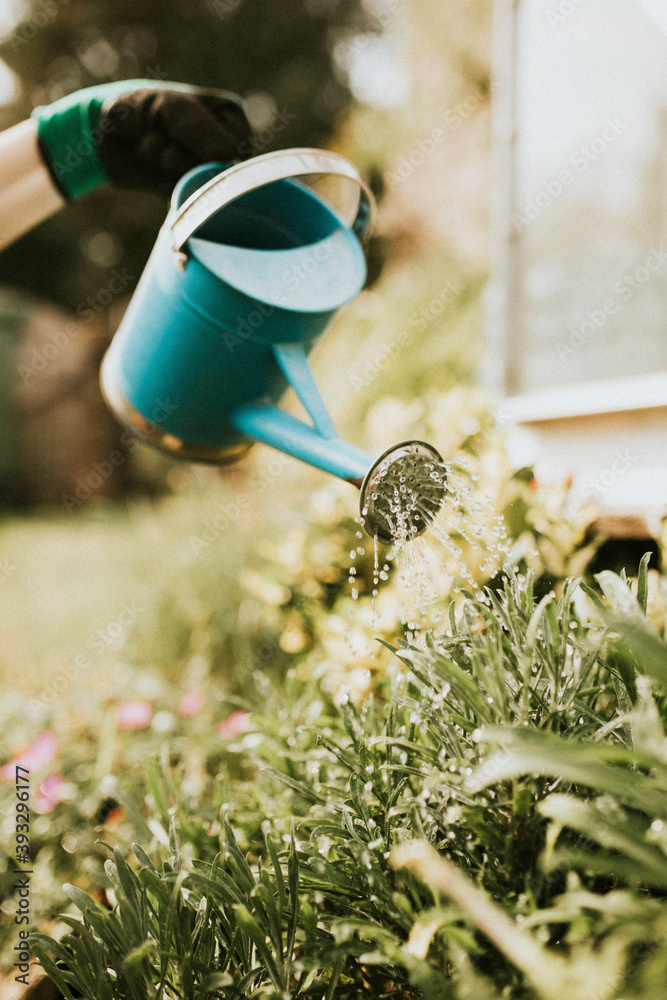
134 714
234 725
36 755
191 703
49 793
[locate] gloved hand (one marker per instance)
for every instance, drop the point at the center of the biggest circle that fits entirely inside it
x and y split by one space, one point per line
138 133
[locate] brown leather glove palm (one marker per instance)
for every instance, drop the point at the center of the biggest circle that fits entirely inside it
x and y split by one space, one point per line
139 133
155 136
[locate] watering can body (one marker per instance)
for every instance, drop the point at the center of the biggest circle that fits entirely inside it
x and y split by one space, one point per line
246 274
249 268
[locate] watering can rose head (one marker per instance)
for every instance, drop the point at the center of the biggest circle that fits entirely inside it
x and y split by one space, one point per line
139 134
402 492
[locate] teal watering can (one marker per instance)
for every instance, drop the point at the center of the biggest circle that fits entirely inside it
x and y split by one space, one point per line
249 267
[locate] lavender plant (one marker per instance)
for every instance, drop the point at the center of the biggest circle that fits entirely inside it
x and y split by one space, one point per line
490 823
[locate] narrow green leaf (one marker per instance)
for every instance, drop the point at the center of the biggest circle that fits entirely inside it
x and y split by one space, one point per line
247 983
390 645
156 787
277 871
81 899
463 685
237 859
535 620
452 617
598 862
298 786
128 880
595 598
293 883
173 845
143 858
111 873
152 882
642 581
222 887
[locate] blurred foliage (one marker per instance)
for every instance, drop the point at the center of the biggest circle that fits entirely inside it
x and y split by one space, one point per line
269 53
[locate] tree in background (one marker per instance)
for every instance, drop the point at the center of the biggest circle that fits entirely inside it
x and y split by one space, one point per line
279 56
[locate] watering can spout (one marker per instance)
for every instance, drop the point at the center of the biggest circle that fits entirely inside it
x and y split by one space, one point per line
401 491
271 425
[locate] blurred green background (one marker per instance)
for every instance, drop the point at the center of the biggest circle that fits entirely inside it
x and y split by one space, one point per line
269 53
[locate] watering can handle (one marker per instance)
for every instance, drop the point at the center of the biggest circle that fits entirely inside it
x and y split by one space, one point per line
243 177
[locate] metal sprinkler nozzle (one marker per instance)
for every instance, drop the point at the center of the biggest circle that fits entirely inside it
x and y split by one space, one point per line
403 491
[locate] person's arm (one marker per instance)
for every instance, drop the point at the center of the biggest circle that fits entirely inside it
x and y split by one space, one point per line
130 133
28 195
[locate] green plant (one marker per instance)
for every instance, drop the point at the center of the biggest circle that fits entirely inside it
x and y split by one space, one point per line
180 933
495 811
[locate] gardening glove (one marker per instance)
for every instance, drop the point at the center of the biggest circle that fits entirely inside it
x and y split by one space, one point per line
138 134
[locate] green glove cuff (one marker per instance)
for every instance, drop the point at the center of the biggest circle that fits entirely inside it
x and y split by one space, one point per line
69 133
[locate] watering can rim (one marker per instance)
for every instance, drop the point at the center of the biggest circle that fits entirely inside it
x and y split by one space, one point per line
241 178
239 268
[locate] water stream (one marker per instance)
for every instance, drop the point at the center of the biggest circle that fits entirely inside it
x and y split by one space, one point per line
464 544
